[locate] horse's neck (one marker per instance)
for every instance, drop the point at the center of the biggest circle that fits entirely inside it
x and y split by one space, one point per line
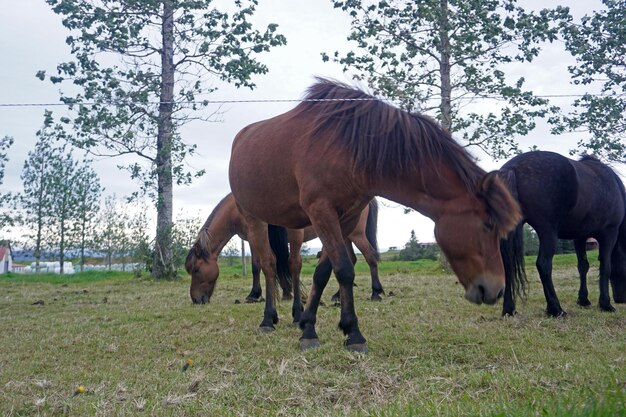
221 229
430 200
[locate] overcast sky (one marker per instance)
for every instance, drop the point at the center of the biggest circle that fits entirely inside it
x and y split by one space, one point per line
32 38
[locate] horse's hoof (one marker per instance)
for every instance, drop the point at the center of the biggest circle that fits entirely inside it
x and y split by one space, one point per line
376 297
506 314
358 347
584 303
295 323
266 329
306 344
608 308
250 300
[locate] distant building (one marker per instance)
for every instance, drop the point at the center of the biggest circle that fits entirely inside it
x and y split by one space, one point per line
6 259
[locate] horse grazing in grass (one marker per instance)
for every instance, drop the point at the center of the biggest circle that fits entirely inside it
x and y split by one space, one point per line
321 163
226 221
565 199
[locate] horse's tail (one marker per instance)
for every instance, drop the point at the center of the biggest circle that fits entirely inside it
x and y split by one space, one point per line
512 247
280 246
371 227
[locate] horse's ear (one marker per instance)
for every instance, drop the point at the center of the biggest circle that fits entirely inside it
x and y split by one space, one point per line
501 206
189 260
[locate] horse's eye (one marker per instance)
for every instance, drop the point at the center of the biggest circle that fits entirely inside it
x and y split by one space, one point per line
489 226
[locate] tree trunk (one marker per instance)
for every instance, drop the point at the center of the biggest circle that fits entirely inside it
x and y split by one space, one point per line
163 265
82 243
62 247
444 68
445 107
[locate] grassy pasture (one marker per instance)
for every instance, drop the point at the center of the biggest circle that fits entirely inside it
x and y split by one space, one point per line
126 341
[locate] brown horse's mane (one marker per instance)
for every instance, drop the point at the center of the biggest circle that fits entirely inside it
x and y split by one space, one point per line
200 248
384 140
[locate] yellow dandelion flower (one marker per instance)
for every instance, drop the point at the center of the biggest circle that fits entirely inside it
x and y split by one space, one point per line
187 364
80 389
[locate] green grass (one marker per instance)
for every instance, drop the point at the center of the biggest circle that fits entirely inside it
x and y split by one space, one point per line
424 266
431 352
79 278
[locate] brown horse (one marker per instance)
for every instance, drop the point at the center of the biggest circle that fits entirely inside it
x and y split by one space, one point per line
225 221
323 161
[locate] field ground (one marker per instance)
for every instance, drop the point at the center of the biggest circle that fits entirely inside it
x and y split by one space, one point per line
127 340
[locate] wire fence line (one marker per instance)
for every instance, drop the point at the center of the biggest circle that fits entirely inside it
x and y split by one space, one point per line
240 101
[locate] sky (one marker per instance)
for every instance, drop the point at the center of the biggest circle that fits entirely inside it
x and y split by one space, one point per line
32 38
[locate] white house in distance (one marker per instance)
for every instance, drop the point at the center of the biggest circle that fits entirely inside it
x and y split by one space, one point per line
6 260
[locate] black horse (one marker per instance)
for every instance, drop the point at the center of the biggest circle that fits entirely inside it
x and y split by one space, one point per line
565 199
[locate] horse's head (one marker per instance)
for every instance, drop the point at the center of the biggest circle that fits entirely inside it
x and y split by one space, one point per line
469 235
204 272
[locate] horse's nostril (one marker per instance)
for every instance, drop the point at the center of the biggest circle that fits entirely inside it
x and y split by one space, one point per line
205 299
481 290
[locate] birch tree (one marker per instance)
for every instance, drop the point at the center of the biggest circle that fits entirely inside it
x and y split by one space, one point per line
8 216
88 192
598 43
446 58
37 177
145 68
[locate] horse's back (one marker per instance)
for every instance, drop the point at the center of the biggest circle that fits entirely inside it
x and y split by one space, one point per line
602 192
545 185
574 198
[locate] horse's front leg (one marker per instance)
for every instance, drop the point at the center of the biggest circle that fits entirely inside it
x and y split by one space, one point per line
308 319
326 223
606 243
547 248
508 250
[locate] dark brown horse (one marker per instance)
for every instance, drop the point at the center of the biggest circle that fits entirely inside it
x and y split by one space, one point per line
225 221
323 161
565 199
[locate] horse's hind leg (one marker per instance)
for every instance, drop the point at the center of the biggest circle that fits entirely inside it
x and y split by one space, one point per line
295 266
606 243
336 296
371 258
259 243
547 248
255 293
583 268
618 274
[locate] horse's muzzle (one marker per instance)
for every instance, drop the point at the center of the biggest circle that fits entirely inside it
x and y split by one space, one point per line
204 299
480 293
